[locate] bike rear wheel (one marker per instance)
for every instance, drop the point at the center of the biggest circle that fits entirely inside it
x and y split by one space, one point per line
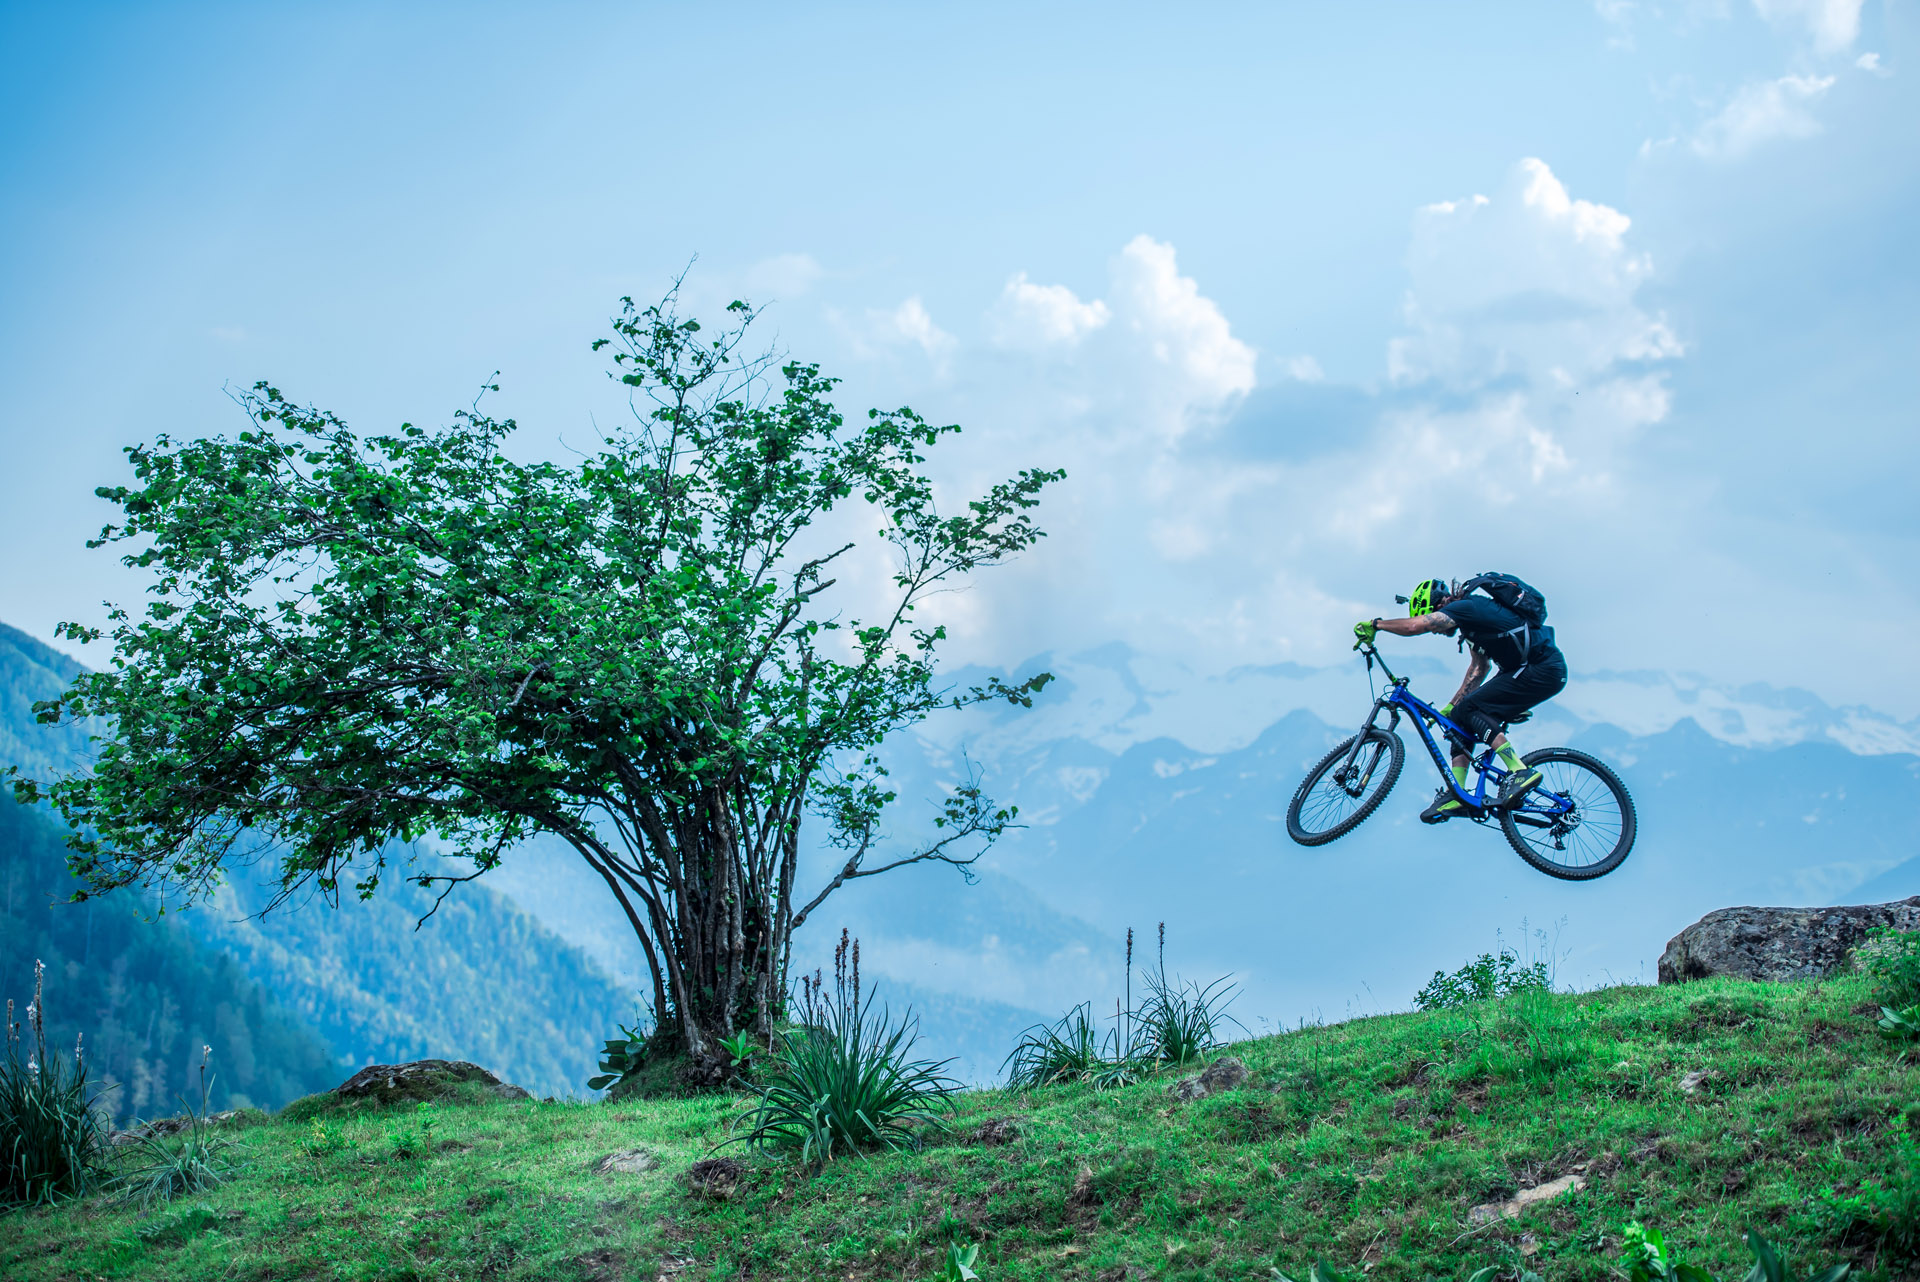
1334 797
1578 823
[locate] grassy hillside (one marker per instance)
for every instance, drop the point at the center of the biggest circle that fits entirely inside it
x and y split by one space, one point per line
1700 1110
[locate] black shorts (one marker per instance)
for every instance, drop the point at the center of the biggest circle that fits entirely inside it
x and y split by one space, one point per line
1506 696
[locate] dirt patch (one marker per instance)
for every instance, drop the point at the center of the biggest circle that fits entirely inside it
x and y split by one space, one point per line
716 1179
603 1265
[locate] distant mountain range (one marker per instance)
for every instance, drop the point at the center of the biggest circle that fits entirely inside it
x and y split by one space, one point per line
1152 795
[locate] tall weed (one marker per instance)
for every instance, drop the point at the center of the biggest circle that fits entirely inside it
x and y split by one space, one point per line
192 1160
53 1136
1177 1023
845 1078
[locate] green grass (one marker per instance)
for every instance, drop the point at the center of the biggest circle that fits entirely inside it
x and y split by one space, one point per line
1364 1143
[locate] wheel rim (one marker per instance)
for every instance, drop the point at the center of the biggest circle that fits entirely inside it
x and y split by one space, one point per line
1583 833
1333 799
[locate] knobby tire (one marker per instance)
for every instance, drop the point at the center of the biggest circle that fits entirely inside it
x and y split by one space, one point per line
1377 787
1599 797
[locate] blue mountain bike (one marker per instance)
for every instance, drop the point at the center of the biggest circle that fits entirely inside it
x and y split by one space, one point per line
1577 823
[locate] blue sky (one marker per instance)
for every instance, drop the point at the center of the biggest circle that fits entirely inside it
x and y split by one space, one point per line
1311 301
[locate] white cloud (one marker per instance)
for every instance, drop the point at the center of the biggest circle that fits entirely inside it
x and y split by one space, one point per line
1870 62
1184 329
1534 283
1761 112
1030 315
1832 25
908 325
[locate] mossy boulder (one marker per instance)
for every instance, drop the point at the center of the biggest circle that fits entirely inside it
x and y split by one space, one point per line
420 1082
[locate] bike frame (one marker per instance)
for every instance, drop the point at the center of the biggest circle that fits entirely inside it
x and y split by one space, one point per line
1397 701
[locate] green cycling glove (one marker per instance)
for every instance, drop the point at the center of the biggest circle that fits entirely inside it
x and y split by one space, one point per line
1365 630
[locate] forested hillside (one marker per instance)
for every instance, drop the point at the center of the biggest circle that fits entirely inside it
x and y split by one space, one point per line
289 998
144 993
479 981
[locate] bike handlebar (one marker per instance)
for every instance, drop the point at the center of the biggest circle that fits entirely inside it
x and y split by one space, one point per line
1373 655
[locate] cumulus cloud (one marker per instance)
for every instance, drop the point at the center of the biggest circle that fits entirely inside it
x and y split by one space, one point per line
1761 112
1038 316
1832 25
1870 62
908 325
1528 371
1532 283
1184 329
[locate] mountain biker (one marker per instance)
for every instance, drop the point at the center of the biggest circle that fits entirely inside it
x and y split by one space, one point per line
1532 670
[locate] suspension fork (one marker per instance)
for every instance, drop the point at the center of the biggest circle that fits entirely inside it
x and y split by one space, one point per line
1360 738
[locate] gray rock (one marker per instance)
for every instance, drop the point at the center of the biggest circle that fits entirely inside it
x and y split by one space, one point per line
421 1080
161 1127
630 1161
1221 1075
1778 944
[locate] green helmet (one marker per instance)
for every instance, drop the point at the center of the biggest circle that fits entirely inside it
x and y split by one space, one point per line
1430 592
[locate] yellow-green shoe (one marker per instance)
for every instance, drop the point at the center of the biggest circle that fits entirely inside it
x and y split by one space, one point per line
1517 785
1446 806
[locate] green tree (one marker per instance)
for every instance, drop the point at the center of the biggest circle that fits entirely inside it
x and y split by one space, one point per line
352 641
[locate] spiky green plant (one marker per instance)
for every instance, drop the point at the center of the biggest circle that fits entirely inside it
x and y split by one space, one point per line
53 1136
845 1078
160 1167
1071 1049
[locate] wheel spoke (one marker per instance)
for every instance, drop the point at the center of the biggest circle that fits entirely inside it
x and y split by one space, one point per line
1576 821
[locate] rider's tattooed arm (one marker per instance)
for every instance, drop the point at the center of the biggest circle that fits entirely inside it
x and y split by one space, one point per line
1435 622
1476 673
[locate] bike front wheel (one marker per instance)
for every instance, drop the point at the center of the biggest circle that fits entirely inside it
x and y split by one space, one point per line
1335 796
1577 823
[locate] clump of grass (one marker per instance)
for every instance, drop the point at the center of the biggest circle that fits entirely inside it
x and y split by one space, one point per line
192 1160
1181 1021
1177 1024
53 1137
1883 1214
845 1078
1071 1049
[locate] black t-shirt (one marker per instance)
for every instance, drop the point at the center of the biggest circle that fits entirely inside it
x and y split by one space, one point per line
1498 632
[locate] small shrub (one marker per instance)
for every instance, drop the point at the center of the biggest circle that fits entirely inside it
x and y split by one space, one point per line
623 1058
322 1139
409 1141
53 1137
161 1168
1488 976
1648 1258
844 1078
1883 1214
1892 959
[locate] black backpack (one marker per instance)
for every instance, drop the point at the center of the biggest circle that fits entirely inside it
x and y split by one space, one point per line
1517 595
